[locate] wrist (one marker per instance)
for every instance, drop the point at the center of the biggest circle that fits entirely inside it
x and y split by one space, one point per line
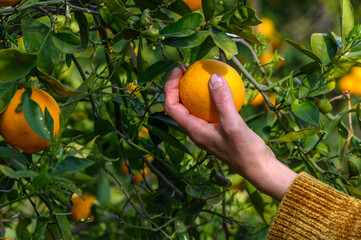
271 177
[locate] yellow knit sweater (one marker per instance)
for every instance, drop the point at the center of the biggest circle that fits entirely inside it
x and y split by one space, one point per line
313 210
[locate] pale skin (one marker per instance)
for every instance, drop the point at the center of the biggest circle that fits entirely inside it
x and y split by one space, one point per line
230 140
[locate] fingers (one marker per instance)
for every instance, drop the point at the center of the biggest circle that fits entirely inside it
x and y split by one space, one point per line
223 99
191 124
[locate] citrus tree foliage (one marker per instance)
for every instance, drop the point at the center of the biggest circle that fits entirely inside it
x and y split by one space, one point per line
106 63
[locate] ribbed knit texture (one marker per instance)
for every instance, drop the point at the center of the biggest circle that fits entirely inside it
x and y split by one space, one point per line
312 209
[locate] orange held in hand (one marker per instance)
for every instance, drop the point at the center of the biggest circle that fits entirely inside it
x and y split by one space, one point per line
194 88
194 5
17 132
7 3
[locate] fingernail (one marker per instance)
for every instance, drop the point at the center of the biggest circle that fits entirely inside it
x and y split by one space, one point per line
216 81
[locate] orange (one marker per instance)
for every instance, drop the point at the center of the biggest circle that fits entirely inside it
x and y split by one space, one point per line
194 5
17 132
266 28
351 81
138 178
258 100
81 208
131 87
194 89
7 3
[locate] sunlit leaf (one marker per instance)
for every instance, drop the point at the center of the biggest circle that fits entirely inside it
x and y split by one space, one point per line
54 85
297 135
191 41
306 111
224 42
323 47
347 18
303 50
183 27
16 174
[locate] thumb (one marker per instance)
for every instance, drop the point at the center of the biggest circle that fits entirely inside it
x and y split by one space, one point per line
222 97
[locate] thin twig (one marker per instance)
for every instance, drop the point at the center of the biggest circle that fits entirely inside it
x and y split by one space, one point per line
82 74
259 87
350 131
82 9
255 57
164 179
8 11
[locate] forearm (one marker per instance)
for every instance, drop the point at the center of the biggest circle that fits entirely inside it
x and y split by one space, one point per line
272 178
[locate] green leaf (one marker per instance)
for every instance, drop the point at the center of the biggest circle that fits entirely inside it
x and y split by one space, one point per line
7 91
19 160
72 165
323 47
355 192
178 6
334 122
73 101
15 65
209 7
54 85
166 120
203 192
303 50
183 27
146 4
102 127
243 33
22 229
40 227
16 174
245 16
352 169
115 7
103 188
35 117
306 111
297 135
224 42
37 40
202 50
118 43
167 138
191 41
78 177
63 225
59 195
65 41
154 71
84 30
347 18
220 180
256 199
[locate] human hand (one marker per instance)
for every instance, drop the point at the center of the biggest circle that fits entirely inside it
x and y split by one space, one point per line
230 140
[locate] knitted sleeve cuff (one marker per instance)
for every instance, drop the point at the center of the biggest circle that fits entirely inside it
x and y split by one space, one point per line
312 209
